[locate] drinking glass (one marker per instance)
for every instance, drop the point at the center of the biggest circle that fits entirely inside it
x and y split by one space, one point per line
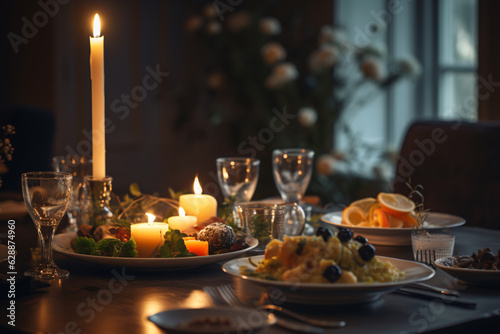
238 177
433 241
265 221
292 170
46 195
79 167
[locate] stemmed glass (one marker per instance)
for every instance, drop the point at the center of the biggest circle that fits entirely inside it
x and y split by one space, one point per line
78 166
292 170
46 195
238 177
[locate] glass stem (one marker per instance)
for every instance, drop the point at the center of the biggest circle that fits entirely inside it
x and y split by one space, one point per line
46 234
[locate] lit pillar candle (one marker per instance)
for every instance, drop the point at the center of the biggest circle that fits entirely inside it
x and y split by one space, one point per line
97 78
182 222
148 235
200 205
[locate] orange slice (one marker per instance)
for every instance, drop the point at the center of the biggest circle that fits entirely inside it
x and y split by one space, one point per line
364 204
395 204
381 218
408 220
353 215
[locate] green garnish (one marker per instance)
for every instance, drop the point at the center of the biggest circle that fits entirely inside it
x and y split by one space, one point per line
174 245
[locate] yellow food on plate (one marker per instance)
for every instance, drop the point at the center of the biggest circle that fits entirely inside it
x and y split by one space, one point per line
314 260
388 210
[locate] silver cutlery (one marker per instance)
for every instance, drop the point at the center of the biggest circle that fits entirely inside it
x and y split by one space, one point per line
225 295
432 296
426 256
435 289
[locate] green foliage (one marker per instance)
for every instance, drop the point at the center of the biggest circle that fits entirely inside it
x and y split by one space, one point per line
128 249
174 245
109 247
84 245
105 247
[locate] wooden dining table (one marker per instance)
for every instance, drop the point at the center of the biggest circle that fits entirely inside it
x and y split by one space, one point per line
77 304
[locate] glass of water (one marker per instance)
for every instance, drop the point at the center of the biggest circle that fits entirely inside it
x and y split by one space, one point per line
292 170
438 241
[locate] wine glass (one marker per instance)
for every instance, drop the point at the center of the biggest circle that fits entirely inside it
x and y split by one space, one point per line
78 166
238 177
292 170
46 195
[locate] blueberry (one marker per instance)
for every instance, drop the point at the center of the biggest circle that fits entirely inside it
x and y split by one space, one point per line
361 239
366 252
324 232
332 273
344 234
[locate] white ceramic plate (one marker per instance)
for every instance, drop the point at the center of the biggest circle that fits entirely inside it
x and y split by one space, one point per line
333 294
61 244
394 236
478 276
240 320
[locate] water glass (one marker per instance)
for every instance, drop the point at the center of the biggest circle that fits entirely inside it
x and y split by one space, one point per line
46 195
292 170
440 241
79 167
238 177
265 221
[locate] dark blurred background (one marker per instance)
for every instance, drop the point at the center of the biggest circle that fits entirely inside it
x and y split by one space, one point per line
173 133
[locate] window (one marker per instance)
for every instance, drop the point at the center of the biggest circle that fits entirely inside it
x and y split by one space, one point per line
457 59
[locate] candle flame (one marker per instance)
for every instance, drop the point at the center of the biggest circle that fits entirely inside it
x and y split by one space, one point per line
197 187
151 218
97 26
182 213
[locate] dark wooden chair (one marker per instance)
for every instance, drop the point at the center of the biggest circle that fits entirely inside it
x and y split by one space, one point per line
458 164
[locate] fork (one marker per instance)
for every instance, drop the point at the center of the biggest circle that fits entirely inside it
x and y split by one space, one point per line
427 256
228 296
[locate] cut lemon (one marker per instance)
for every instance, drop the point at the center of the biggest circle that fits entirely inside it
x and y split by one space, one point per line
353 215
395 204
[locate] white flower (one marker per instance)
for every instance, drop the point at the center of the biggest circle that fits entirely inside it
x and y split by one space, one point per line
377 50
238 21
307 116
272 53
270 26
213 27
373 69
282 74
326 165
329 34
193 23
410 66
209 11
324 58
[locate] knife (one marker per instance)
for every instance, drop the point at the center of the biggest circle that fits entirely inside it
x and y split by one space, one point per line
431 296
299 327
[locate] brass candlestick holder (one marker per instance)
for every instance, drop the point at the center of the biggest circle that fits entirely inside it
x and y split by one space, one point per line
99 196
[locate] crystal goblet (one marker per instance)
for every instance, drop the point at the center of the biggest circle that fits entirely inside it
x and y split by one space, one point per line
46 195
238 177
292 170
79 167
